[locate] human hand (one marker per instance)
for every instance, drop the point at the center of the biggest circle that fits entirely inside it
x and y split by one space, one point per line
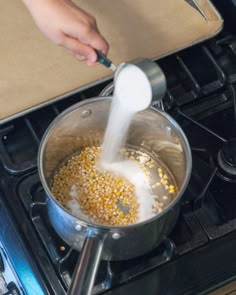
69 26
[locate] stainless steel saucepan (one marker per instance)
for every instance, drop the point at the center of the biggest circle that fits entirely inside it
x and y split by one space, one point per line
153 132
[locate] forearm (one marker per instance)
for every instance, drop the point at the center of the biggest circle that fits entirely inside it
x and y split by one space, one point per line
30 3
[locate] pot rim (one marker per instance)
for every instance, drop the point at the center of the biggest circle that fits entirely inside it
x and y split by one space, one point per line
72 108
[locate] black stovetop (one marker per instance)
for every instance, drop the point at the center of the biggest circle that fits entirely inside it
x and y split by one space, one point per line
200 252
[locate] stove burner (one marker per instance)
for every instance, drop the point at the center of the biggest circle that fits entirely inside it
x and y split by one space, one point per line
227 160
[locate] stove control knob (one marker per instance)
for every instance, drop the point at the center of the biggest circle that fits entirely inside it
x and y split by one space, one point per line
1 263
12 289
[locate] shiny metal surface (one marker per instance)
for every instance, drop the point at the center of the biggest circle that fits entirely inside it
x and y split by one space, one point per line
82 282
153 72
152 131
155 76
27 274
108 90
8 275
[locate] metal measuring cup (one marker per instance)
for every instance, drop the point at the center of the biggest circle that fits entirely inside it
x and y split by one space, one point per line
151 69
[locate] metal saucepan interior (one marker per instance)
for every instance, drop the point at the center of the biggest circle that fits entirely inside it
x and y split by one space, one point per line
83 125
148 135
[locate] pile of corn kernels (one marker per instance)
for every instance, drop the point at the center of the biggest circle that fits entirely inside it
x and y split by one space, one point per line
103 197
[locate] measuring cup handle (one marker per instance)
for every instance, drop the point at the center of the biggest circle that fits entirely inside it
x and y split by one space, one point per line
87 265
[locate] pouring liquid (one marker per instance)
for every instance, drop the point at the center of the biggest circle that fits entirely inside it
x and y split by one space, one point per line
97 191
132 94
80 184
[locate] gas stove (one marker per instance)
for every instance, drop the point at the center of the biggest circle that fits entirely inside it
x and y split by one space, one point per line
199 255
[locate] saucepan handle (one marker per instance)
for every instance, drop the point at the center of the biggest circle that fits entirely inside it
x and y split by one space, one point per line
87 265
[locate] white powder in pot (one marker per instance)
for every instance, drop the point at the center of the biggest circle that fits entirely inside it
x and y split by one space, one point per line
134 174
73 191
74 208
132 93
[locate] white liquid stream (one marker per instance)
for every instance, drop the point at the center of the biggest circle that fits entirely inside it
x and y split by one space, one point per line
132 94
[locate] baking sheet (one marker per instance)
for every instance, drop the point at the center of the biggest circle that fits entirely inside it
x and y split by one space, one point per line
34 71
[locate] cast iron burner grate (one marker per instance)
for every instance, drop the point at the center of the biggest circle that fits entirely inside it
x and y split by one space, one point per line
201 97
213 147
